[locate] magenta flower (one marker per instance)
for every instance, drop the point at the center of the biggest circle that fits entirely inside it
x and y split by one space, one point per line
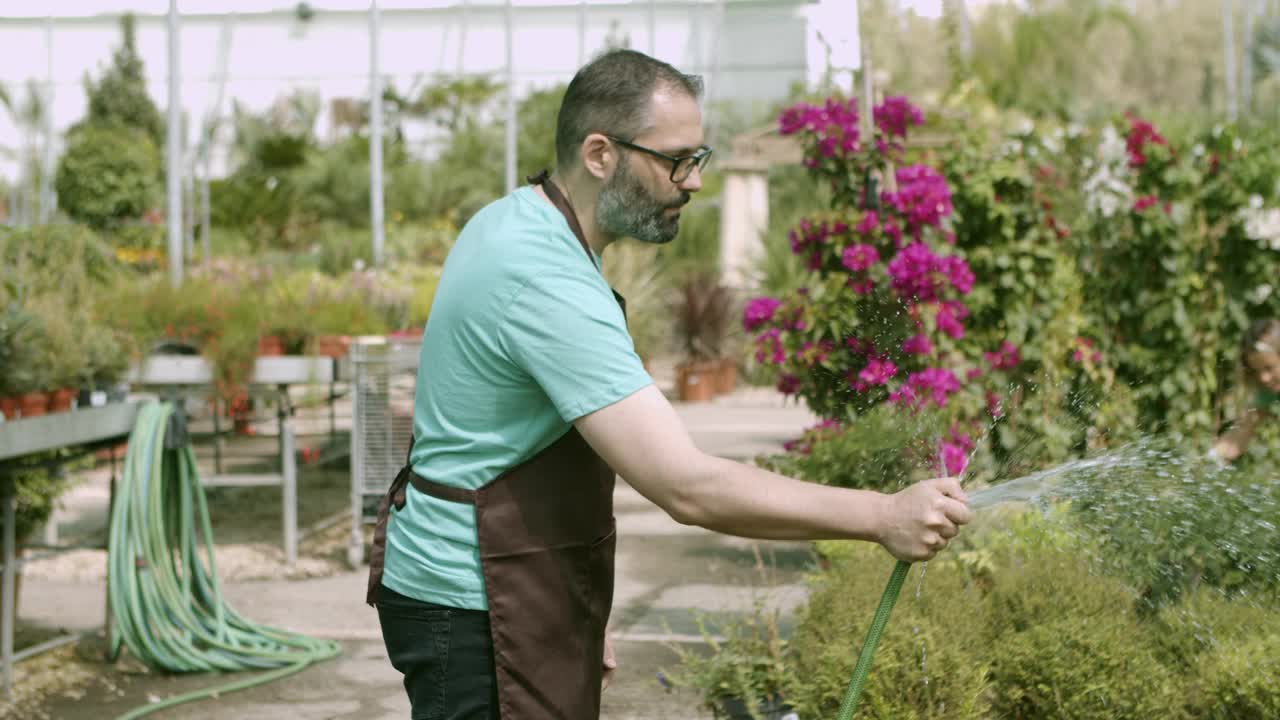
923 197
878 371
860 256
993 406
938 383
958 273
1141 133
869 223
895 115
954 458
1144 202
759 311
1085 346
950 313
1006 358
788 384
863 286
917 345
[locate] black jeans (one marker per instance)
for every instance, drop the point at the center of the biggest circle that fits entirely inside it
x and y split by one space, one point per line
446 655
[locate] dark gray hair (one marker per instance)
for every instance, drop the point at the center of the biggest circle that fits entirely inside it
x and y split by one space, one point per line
613 94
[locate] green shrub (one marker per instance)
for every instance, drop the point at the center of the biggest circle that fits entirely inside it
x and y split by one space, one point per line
752 663
929 662
108 175
883 449
1237 680
1175 522
35 493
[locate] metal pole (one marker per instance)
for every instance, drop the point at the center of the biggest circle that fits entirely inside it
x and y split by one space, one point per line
206 147
1229 61
46 174
6 638
289 494
1246 68
962 25
511 99
375 135
713 85
173 166
582 33
653 27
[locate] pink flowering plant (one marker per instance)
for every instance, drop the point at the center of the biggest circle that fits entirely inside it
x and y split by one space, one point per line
884 320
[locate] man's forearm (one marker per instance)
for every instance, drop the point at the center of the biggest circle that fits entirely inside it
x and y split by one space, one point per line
739 499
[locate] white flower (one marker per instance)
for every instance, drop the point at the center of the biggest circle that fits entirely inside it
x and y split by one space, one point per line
1074 130
1262 225
1111 149
1198 150
1179 213
1051 144
1259 295
1255 202
1106 194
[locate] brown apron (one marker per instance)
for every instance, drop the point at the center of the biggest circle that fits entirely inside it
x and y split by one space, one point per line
546 535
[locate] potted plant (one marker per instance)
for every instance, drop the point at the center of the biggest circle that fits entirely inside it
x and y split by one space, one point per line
63 352
745 676
14 329
702 322
106 358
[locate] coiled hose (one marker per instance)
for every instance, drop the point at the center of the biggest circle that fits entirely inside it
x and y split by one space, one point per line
860 670
166 602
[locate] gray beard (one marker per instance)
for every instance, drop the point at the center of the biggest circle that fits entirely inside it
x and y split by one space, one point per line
626 209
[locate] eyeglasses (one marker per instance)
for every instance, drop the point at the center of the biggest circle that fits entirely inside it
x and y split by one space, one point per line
681 167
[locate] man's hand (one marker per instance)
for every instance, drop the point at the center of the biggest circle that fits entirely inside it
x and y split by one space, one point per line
610 663
922 518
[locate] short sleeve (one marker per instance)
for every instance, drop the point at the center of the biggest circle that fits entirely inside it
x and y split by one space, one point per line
568 332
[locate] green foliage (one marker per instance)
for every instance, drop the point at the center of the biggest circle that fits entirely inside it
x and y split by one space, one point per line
1015 622
752 663
883 449
1185 525
703 310
1172 271
108 175
925 666
119 98
632 269
36 492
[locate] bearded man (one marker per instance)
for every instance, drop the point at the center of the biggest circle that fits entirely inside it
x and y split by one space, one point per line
492 566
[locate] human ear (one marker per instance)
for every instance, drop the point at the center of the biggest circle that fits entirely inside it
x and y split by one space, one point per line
597 155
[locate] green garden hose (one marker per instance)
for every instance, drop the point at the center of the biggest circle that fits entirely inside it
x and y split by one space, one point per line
863 666
166 603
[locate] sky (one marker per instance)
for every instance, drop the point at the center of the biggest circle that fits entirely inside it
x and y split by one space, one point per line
21 8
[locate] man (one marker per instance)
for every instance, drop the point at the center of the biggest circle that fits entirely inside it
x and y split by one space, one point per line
499 555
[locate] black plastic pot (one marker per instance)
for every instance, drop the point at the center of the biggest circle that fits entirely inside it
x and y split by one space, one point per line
736 709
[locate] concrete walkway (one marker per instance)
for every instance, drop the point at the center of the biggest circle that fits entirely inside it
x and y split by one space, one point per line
667 574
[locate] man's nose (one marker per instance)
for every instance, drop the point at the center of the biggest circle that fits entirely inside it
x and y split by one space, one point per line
693 183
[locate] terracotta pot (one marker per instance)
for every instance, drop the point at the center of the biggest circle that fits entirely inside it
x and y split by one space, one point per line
334 346
270 345
33 404
60 400
9 407
727 376
697 381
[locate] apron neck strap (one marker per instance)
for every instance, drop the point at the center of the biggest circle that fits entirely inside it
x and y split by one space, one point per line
558 199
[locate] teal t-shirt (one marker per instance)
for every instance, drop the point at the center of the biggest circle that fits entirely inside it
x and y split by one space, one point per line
524 337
